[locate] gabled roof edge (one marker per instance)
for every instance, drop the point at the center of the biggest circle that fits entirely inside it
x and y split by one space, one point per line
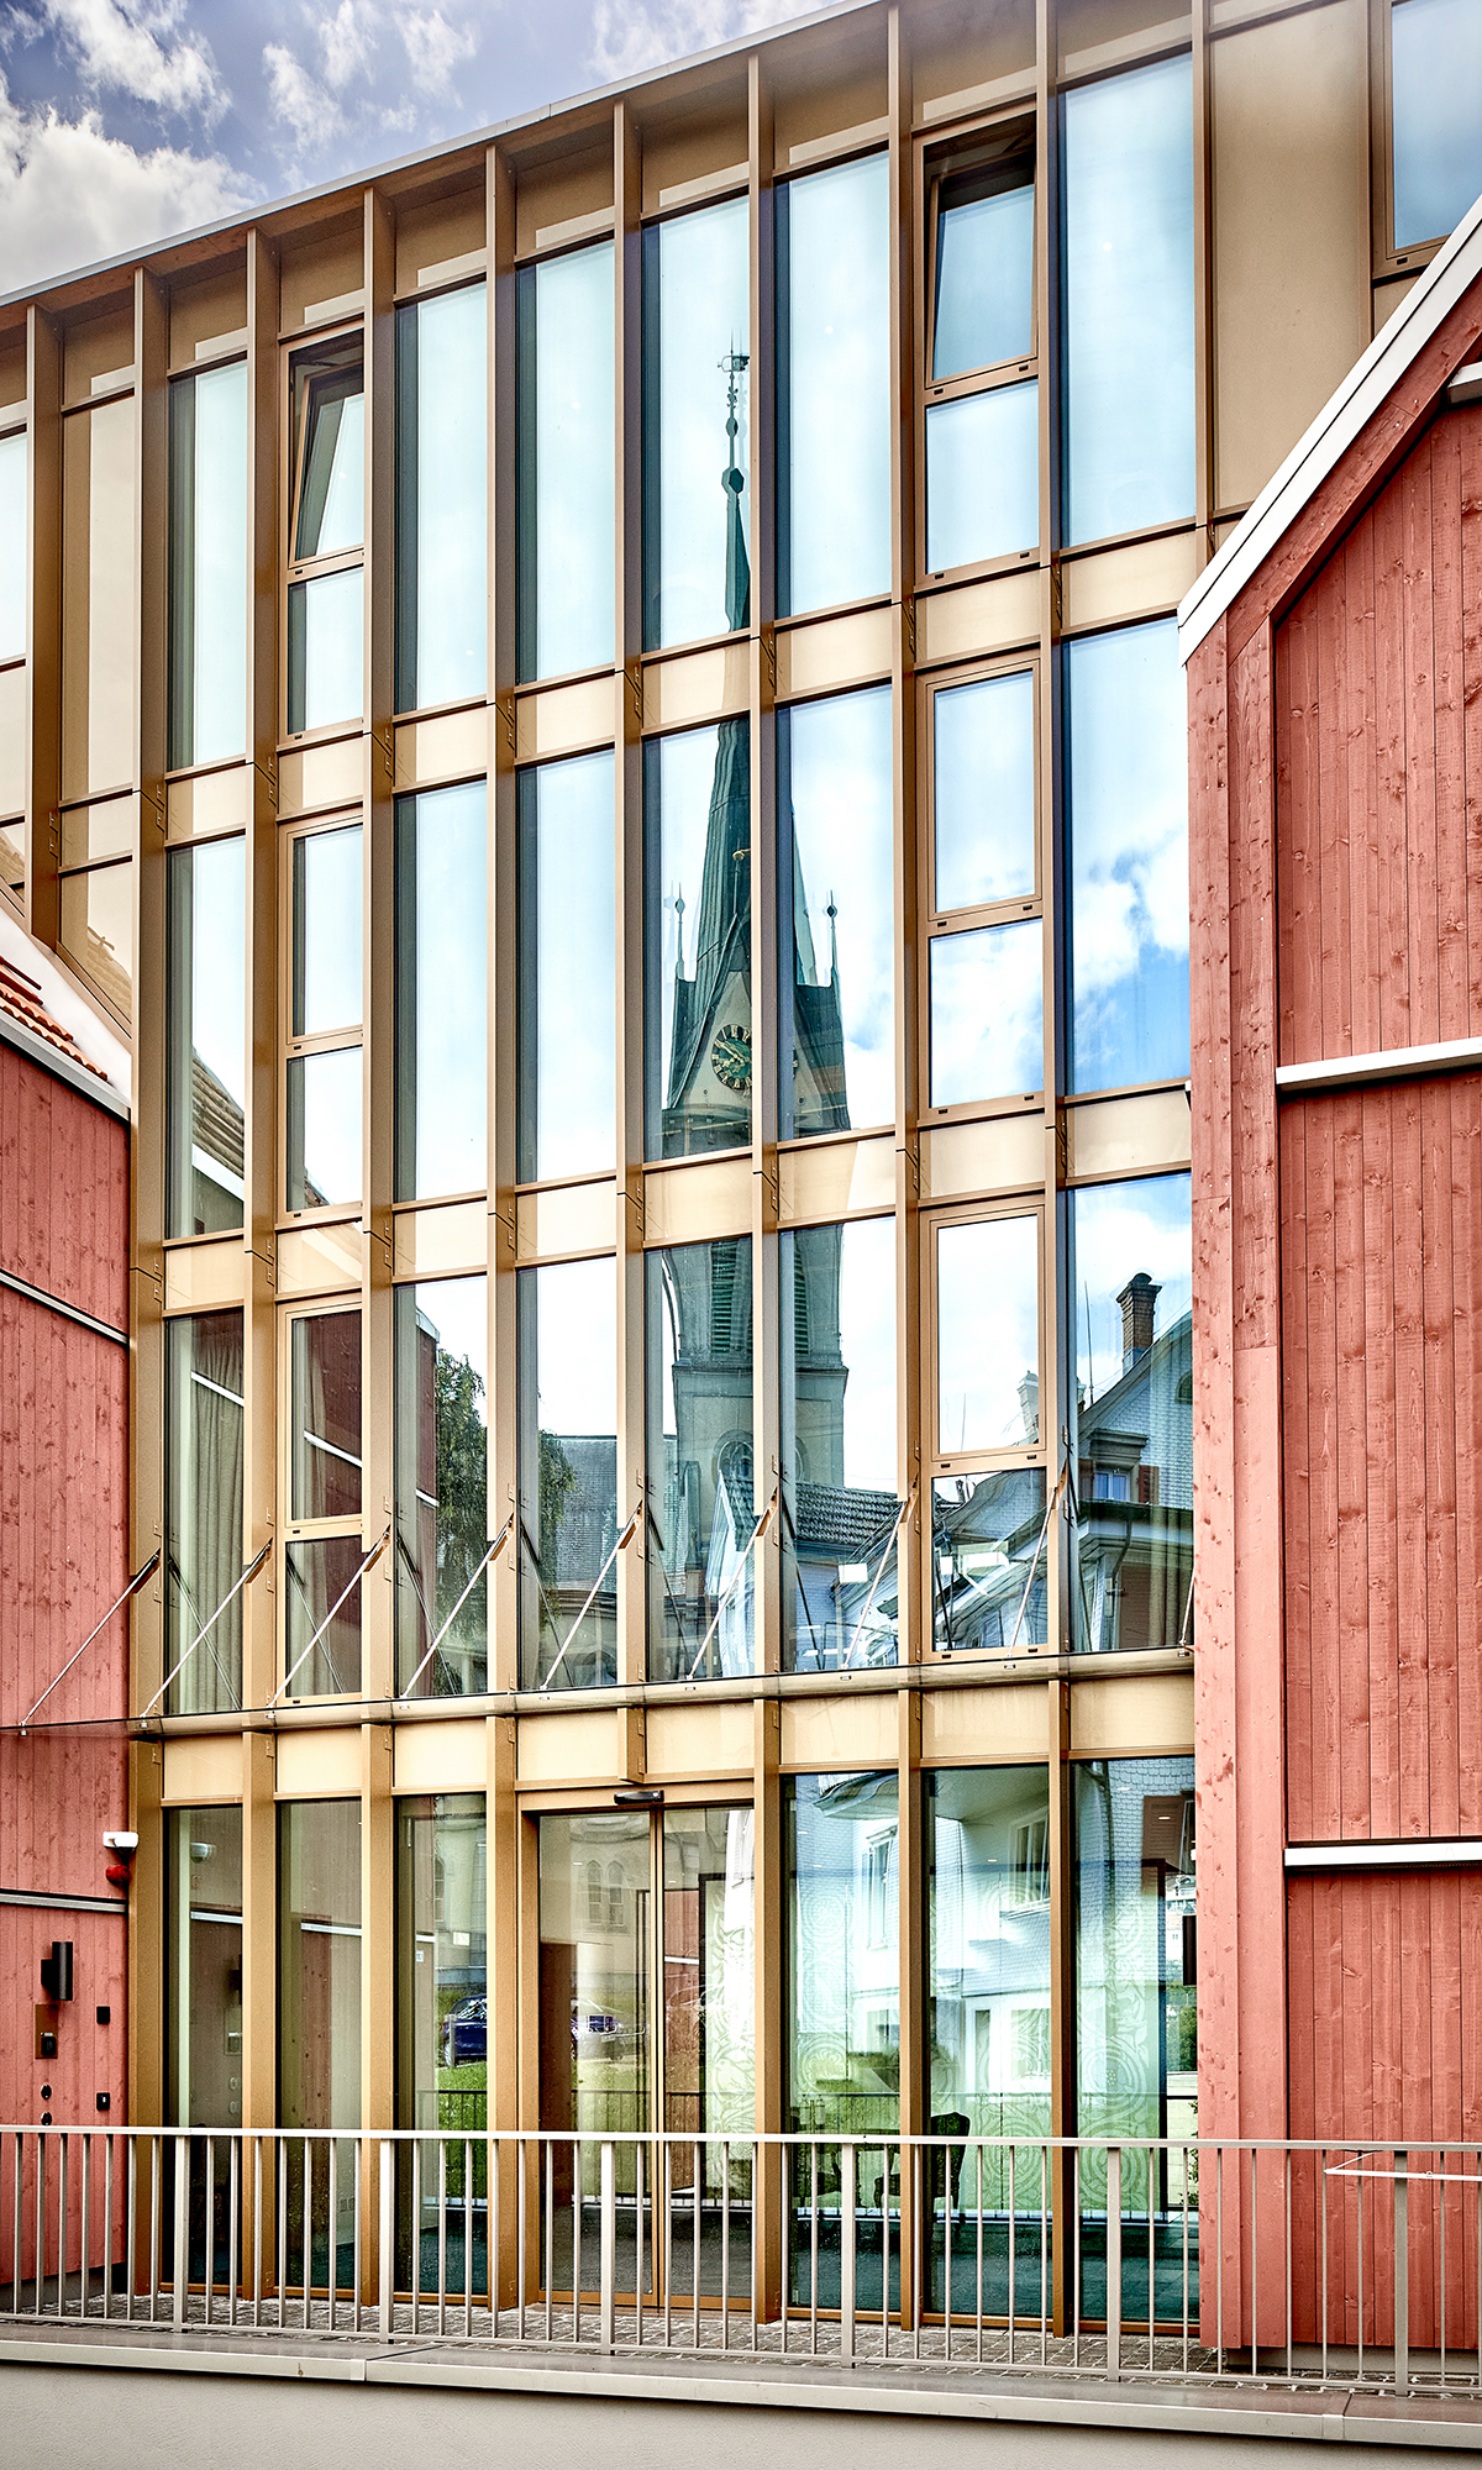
1343 418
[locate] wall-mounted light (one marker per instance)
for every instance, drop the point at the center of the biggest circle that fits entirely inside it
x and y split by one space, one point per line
56 1971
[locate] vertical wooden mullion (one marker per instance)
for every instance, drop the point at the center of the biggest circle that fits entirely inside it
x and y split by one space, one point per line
43 781
631 1565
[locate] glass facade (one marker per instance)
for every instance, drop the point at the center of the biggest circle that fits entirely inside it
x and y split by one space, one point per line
208 566
1436 75
13 594
569 1534
696 367
326 592
206 1037
442 1137
442 1486
442 1908
442 351
204 1409
702 1510
319 1925
567 457
836 923
203 1967
839 1445
568 973
843 2045
833 409
324 1551
697 942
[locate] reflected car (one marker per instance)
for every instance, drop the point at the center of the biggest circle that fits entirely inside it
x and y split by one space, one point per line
466 2033
597 2024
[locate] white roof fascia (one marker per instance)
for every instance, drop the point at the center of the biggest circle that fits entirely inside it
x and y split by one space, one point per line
1344 416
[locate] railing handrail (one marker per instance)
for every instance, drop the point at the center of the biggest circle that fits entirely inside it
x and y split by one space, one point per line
732 2138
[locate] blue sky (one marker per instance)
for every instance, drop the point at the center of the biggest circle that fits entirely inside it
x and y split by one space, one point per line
122 120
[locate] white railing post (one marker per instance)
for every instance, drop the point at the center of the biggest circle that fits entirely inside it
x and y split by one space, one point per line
848 2246
607 2257
1402 2272
386 2248
181 2265
1114 2261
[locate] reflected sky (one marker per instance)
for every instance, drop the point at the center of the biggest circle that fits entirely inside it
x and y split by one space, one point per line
218 963
987 1013
328 910
700 319
837 349
571 415
987 1334
12 546
982 476
449 993
219 652
576 1347
1129 860
1437 89
984 791
867 1344
329 1170
338 435
1119 1230
839 765
1128 168
458 1312
568 999
451 526
985 265
331 612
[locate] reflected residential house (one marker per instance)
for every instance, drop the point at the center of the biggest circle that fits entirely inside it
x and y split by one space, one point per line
1135 1486
579 1530
216 1185
989 2021
446 1542
988 1583
1136 1988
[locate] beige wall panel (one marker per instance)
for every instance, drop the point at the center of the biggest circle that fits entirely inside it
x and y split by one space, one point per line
1003 1155
13 376
12 739
560 1749
701 686
1103 34
687 1204
1388 296
1125 1136
203 1277
204 314
1145 577
572 1218
98 600
841 651
695 154
437 1243
314 776
551 197
98 352
829 1179
841 105
319 1764
203 1767
437 242
315 1260
706 1739
456 747
97 931
103 830
563 718
970 1724
323 278
213 802
994 616
1291 234
965 58
1152 1711
836 1733
451 1757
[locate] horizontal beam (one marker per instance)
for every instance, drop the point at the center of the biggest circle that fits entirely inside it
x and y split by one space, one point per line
1410 1853
1394 1063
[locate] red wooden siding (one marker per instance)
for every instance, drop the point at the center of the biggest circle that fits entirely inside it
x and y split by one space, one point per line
1378 681
64 1191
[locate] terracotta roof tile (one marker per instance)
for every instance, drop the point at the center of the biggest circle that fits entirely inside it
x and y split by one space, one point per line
20 1000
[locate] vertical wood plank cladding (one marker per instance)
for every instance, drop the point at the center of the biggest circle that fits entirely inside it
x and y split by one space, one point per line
63 1191
1382 1445
1379 768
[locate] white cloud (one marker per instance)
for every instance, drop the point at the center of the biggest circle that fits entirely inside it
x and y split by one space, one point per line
434 48
70 194
348 41
631 35
134 47
296 97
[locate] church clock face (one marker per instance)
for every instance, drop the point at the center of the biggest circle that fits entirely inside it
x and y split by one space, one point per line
730 1059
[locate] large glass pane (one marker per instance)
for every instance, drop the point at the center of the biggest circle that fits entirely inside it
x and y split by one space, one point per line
1436 80
1128 295
983 791
596 1939
1127 800
97 931
697 575
441 503
13 591
325 1429
987 1013
206 1014
982 476
203 1488
987 1335
984 301
988 2029
323 1108
568 969
701 1504
442 1028
208 565
567 462
442 1486
322 1620
709 1994
836 970
1136 2025
568 1474
697 814
327 913
203 2048
837 1287
1130 1288
442 1938
326 649
988 1578
834 411
319 1966
329 441
99 598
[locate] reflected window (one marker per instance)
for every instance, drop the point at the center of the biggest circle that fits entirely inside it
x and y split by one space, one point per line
323 1592
833 397
326 596
1127 806
442 1487
1130 1292
204 1407
14 594
709 1956
442 357
696 424
702 1510
843 1970
697 965
989 1586
987 1013
982 477
841 1507
983 273
569 1532
442 1939
987 1335
203 1994
206 1029
208 566
319 1973
326 1416
565 517
568 969
983 804
1435 81
442 1030
1127 167
836 966
596 1924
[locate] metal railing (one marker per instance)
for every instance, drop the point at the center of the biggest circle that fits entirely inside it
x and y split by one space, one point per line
1317 2265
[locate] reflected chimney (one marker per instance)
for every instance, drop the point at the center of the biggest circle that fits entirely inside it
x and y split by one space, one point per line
1139 1302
